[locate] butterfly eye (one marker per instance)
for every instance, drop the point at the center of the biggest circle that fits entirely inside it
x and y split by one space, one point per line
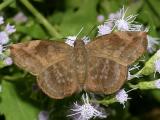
75 43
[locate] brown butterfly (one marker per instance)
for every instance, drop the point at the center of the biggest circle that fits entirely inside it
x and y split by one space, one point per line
100 66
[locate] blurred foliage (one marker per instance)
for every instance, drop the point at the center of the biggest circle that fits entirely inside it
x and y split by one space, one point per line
21 101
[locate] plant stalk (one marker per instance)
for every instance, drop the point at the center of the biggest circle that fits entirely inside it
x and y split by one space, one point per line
52 31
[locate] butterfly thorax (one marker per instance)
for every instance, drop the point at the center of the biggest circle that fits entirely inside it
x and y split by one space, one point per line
80 54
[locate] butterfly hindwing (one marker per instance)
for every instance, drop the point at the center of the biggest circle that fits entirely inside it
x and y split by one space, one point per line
59 80
121 47
104 76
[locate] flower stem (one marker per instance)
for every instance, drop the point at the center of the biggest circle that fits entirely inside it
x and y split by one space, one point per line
145 85
52 31
5 4
14 77
107 101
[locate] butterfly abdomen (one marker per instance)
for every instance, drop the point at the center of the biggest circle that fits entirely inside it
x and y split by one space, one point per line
80 59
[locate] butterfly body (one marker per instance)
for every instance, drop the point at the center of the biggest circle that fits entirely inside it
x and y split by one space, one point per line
80 60
100 66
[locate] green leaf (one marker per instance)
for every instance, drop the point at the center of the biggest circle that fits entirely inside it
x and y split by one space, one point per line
134 7
2 65
13 106
85 16
110 6
156 95
56 18
32 29
149 65
154 4
147 16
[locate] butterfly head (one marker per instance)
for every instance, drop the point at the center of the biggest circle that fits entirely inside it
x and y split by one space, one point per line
79 43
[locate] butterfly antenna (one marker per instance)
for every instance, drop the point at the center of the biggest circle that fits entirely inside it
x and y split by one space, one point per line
91 30
79 32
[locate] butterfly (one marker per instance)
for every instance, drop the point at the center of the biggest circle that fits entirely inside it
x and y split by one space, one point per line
100 66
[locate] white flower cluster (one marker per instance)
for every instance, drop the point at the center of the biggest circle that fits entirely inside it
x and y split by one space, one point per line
100 18
133 67
152 42
157 62
119 21
71 39
157 83
43 115
86 111
4 40
157 65
122 96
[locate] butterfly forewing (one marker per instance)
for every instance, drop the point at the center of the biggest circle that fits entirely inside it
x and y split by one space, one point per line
36 56
121 47
104 76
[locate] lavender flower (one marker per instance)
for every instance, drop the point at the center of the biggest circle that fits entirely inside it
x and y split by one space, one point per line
114 16
4 39
157 65
125 23
133 67
86 39
1 49
100 18
1 20
20 17
8 61
86 111
43 115
122 96
130 76
10 29
152 42
157 83
70 40
119 21
104 29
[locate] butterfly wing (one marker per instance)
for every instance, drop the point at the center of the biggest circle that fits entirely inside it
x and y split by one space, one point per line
52 63
37 55
104 76
121 47
59 80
